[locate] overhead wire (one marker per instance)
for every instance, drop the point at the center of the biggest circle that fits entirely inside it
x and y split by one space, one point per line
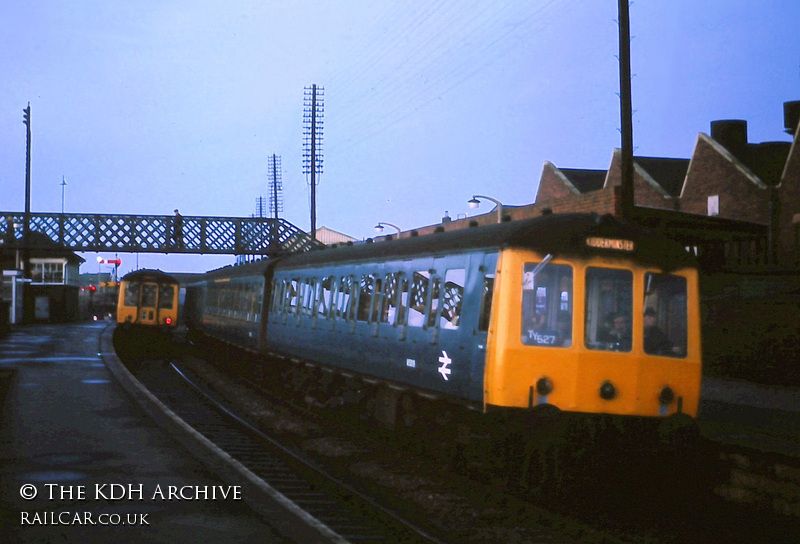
448 56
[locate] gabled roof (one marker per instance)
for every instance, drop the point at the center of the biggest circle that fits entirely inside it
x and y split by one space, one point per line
41 246
585 181
670 174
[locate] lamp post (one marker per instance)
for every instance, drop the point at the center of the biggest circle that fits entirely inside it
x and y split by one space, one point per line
474 203
381 224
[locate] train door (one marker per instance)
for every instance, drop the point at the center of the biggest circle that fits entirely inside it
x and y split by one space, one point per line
448 336
478 296
148 303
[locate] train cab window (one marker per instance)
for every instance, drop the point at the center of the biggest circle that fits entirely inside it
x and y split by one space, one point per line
547 304
417 301
132 294
166 296
149 295
609 306
450 315
665 315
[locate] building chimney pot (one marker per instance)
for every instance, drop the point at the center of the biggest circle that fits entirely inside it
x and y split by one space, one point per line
730 133
791 116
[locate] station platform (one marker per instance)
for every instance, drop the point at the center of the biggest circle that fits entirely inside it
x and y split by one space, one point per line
80 461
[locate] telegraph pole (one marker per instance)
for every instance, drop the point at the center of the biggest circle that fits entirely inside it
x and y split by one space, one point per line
275 205
26 236
312 156
276 186
625 109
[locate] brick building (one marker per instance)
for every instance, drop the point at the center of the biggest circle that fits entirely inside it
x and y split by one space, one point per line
736 203
51 293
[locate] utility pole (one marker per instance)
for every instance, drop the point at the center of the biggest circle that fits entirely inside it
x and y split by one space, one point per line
275 205
26 236
312 135
626 109
276 186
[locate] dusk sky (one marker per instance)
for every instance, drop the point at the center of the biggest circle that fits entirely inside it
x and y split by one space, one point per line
148 106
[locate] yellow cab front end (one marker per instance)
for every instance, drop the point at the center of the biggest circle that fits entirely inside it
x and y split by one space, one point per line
148 303
593 334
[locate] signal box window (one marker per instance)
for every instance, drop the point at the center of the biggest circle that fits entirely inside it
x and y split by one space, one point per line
665 311
609 306
547 304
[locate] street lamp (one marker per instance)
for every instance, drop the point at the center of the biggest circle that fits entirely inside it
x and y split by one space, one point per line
474 203
380 225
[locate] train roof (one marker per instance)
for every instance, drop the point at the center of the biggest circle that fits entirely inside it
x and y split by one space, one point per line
148 274
255 268
576 235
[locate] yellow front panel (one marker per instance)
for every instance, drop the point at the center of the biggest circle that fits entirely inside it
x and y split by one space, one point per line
577 372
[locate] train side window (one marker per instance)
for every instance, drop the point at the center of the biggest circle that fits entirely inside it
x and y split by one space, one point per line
352 299
294 295
389 306
367 287
546 304
486 302
278 296
609 306
450 316
402 309
258 301
251 301
132 294
166 295
418 301
342 298
324 296
377 295
309 296
236 293
665 315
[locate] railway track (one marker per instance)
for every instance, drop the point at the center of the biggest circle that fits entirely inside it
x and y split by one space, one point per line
354 484
430 506
349 515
